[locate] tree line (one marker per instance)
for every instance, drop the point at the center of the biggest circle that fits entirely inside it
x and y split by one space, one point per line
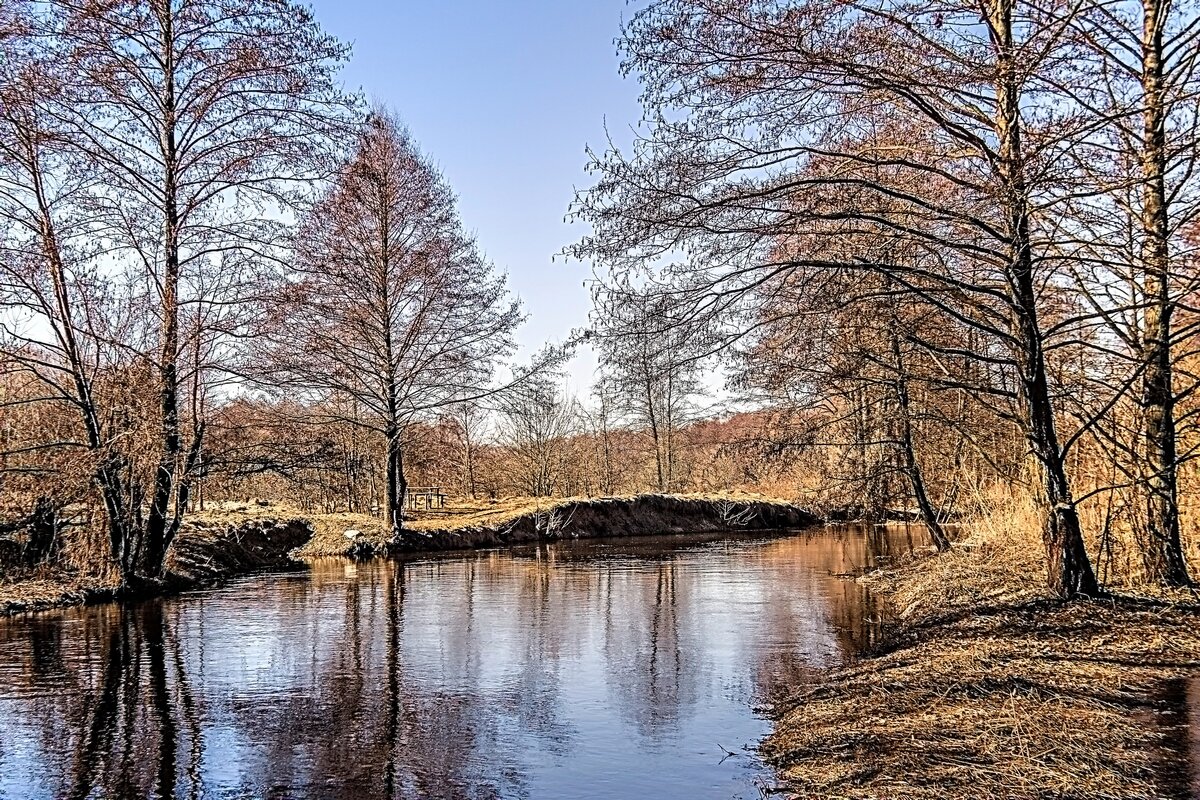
196 212
968 223
541 444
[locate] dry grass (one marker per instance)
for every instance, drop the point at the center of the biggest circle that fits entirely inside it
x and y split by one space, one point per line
47 587
997 691
999 563
329 531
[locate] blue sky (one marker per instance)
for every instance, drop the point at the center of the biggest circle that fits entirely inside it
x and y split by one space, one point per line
503 96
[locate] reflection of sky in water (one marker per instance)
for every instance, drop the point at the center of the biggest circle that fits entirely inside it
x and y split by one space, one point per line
592 670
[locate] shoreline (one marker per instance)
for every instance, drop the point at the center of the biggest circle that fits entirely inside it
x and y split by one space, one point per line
202 555
212 549
1001 692
593 518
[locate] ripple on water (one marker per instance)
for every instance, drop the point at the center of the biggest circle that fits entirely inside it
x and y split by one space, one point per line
600 669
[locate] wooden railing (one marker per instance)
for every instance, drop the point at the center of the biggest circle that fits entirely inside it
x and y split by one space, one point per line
424 497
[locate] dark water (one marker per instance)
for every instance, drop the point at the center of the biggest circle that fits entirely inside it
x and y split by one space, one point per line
1193 722
620 669
1176 714
1180 702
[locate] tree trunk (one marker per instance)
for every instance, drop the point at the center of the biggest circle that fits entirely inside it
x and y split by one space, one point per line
652 416
471 472
912 467
162 521
43 532
397 485
108 476
1162 551
1068 570
669 420
608 470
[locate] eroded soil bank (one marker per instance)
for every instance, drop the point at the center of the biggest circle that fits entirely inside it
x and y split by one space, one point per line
643 515
990 690
202 554
213 547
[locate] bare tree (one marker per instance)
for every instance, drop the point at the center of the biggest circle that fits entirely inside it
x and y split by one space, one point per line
160 144
809 123
846 350
536 425
470 423
390 302
602 417
1130 231
651 361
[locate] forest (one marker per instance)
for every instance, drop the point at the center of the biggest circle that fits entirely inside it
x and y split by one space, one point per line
858 261
942 262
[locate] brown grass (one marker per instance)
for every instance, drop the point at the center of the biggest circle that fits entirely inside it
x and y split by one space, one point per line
47 587
995 690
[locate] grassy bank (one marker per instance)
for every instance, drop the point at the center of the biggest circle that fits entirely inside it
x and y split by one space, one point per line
204 553
992 689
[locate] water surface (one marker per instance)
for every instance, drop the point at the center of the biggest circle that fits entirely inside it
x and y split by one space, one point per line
605 669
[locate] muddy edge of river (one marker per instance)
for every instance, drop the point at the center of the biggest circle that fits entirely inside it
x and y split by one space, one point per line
200 556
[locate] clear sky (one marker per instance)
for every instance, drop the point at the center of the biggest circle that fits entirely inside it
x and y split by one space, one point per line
503 96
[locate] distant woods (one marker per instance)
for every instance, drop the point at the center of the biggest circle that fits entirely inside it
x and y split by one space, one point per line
946 239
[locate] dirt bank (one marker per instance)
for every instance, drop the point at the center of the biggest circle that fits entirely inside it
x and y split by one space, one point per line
566 519
992 690
253 537
203 554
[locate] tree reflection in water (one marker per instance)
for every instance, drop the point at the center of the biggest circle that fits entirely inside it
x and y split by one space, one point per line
131 713
619 668
1176 711
1192 716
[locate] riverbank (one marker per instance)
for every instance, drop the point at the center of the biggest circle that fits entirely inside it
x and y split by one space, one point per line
527 521
203 554
239 538
991 689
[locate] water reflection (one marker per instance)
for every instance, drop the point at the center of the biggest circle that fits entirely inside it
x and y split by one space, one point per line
1192 694
1179 717
600 669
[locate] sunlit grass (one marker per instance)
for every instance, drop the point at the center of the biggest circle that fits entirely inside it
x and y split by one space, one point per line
994 687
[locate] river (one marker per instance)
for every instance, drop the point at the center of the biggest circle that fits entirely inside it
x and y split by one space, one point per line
599 669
